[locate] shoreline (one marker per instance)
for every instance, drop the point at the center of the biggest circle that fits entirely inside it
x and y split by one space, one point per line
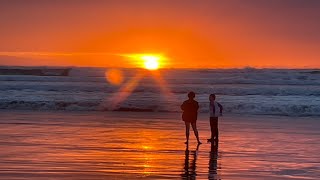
154 113
119 145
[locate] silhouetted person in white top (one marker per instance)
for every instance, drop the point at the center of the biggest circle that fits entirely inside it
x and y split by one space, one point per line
215 110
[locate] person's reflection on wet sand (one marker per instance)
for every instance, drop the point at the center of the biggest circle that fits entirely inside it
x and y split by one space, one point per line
189 170
213 162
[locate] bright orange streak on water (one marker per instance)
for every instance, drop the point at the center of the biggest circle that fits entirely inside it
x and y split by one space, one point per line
163 85
125 90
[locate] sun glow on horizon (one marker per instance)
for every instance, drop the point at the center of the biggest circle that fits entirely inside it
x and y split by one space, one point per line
151 62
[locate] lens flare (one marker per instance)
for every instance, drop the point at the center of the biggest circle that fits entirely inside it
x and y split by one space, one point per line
114 76
151 62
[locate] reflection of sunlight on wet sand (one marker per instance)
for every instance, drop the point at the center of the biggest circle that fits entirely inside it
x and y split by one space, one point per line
131 146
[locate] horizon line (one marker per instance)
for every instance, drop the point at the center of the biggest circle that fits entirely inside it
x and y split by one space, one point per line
168 68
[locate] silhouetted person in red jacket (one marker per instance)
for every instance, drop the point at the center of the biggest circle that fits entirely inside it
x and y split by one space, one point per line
190 113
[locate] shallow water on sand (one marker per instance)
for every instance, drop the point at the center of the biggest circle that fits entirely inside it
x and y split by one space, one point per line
123 145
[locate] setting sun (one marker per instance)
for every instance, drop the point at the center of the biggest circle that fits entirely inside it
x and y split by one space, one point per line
151 62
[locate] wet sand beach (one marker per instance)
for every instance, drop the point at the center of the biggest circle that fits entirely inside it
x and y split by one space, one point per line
128 145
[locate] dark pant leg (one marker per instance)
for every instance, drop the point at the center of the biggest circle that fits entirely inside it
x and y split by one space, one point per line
217 131
214 128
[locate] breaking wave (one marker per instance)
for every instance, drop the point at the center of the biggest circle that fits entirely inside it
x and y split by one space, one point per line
229 108
241 91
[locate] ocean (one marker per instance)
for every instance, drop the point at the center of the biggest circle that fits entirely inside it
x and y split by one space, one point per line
248 91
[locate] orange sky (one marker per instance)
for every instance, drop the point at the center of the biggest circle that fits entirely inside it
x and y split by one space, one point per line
192 34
